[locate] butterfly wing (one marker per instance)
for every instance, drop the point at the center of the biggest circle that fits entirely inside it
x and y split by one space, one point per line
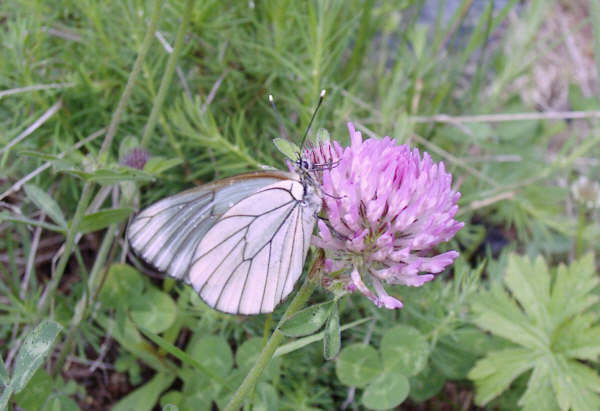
166 234
251 258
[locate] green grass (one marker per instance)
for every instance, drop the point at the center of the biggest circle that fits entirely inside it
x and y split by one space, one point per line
205 113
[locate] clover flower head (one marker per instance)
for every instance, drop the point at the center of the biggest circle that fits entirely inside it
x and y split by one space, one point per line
385 207
136 158
586 192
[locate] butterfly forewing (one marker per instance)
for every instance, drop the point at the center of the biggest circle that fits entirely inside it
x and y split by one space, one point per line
167 233
252 257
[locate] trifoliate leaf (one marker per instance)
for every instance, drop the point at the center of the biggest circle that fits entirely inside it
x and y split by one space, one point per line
357 365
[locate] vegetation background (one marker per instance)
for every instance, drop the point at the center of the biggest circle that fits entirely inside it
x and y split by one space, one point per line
504 92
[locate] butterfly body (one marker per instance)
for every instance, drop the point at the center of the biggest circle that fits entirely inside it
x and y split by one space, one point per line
239 242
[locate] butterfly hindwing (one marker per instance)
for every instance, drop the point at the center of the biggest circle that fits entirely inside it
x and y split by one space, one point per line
251 258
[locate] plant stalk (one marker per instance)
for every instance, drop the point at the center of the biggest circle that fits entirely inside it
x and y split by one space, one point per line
168 75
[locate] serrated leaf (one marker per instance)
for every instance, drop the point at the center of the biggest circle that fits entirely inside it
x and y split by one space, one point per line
571 292
556 329
386 391
306 321
496 312
36 346
539 394
529 283
46 204
404 348
332 341
103 218
357 365
287 148
494 373
575 386
154 310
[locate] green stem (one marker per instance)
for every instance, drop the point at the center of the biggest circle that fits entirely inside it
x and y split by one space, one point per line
114 122
168 75
579 234
86 195
274 342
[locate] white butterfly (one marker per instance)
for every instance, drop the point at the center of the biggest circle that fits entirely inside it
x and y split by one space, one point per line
239 242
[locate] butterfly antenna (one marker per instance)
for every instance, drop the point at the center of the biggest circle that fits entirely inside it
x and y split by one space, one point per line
321 97
279 122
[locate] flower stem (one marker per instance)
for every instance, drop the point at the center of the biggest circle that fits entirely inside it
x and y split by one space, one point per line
581 220
275 340
168 75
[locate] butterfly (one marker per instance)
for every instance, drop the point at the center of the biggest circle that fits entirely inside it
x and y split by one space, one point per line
240 242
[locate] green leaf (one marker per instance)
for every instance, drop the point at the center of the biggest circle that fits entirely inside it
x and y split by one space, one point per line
36 346
114 175
426 384
156 165
575 386
333 340
128 144
170 407
301 342
306 321
46 203
145 397
287 148
529 283
539 394
122 286
37 391
494 373
357 365
553 324
171 399
452 358
572 290
154 311
404 348
386 391
103 218
61 403
213 353
496 312
266 398
4 378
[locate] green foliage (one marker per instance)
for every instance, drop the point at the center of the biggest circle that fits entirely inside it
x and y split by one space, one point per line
549 321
